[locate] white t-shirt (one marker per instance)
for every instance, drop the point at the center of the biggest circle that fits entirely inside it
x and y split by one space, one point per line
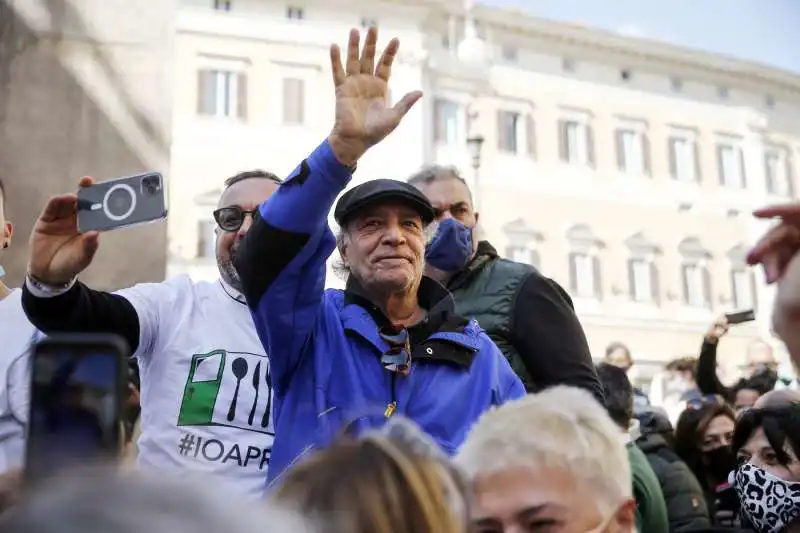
206 393
16 337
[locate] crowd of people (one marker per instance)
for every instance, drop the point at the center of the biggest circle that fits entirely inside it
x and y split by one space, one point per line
444 390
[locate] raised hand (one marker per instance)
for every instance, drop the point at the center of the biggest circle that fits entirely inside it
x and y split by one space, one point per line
780 244
59 252
363 116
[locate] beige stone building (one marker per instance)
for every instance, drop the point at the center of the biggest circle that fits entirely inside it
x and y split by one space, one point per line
623 168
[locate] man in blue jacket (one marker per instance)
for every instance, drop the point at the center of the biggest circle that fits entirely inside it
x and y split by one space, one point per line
391 342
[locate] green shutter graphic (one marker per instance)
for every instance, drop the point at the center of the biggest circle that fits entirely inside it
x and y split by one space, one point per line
202 388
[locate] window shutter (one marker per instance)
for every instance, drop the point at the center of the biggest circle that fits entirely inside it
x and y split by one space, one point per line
753 290
646 154
241 95
707 294
536 259
573 274
438 120
735 296
655 285
563 141
673 158
742 169
632 280
685 282
698 167
590 145
530 133
206 92
619 136
768 175
720 166
789 174
598 277
502 142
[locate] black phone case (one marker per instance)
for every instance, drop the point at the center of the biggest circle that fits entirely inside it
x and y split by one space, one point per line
87 342
121 203
741 316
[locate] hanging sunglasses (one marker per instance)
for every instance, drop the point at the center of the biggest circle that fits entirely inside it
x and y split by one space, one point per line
398 357
231 218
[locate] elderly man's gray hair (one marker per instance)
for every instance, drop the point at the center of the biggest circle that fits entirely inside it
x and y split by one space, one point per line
100 501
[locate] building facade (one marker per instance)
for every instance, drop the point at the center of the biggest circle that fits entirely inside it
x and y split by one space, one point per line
623 168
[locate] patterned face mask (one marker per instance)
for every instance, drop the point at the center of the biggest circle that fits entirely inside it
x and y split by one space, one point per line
770 503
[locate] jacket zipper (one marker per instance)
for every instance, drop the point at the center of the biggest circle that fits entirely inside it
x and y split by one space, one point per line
392 405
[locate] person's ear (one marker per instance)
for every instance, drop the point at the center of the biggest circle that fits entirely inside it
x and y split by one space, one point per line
342 246
625 517
8 231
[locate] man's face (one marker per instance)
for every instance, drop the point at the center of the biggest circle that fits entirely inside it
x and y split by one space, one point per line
384 247
451 199
245 195
522 500
620 358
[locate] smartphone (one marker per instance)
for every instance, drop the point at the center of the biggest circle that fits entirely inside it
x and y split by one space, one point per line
122 202
79 384
741 316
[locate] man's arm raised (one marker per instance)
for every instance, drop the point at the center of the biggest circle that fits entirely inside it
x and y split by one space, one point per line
282 259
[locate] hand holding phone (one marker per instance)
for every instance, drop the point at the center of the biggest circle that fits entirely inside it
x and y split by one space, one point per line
78 386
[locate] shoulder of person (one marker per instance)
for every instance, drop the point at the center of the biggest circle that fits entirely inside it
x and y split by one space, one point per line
171 291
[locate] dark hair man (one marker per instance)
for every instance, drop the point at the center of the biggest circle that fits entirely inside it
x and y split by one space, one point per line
195 342
529 316
391 342
651 512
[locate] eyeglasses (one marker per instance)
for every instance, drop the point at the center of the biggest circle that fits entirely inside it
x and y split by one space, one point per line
708 400
231 218
398 357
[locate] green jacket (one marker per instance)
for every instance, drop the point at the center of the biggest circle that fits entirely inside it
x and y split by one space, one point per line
529 317
651 509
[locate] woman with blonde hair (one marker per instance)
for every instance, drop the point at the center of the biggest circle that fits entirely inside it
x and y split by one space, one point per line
393 480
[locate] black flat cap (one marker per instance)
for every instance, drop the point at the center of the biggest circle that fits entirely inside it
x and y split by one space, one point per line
382 190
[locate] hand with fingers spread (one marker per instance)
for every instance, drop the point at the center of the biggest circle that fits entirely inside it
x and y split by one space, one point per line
363 117
59 252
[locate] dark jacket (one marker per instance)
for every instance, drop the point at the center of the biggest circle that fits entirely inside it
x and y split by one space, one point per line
686 506
531 319
651 511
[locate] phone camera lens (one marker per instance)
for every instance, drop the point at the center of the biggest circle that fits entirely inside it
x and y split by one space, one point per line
151 185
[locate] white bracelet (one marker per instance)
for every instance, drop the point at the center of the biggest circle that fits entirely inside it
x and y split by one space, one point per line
40 289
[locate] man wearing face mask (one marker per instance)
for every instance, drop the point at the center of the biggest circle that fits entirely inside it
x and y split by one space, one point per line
206 391
529 316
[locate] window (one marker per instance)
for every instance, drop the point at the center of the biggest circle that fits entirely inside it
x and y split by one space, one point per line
295 13
447 126
695 274
510 53
222 93
778 171
508 131
294 99
743 288
568 64
206 239
684 158
522 254
633 151
730 162
723 92
222 5
584 263
769 101
368 22
625 75
677 84
576 142
643 283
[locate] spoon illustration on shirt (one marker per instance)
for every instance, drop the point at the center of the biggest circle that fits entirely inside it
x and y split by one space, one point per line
239 368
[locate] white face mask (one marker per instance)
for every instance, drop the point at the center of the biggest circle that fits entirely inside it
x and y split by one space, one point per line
770 503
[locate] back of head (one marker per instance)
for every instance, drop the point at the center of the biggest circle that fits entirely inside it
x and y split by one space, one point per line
561 427
618 392
99 501
384 482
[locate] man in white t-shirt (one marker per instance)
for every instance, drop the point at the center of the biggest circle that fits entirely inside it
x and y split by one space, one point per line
16 335
206 389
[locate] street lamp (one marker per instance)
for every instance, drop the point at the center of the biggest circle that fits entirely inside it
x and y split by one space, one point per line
474 145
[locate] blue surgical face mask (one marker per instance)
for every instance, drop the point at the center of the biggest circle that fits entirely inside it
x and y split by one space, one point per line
451 247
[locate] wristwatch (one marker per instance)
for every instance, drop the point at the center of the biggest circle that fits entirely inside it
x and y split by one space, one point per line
43 289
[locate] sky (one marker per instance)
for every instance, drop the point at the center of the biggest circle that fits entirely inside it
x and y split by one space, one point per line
765 31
